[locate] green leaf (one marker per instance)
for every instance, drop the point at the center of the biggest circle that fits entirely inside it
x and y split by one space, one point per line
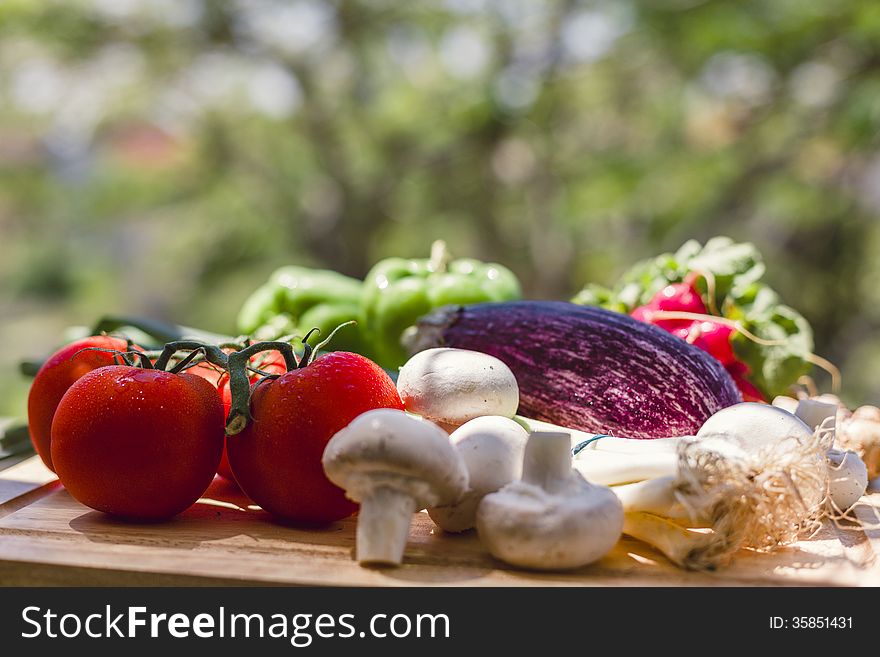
593 295
688 250
597 295
645 279
727 261
724 257
774 368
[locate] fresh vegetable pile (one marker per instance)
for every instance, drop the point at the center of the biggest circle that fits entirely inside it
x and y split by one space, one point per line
713 297
548 497
549 427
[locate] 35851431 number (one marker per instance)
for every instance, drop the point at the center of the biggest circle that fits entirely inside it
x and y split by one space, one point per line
811 622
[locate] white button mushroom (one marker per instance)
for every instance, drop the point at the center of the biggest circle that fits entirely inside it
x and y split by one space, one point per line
553 518
452 386
492 449
394 465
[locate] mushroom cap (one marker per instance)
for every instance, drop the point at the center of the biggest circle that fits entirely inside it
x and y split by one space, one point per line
755 424
452 386
524 525
491 448
387 447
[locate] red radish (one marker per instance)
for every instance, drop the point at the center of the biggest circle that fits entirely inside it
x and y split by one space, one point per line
688 332
677 297
712 337
643 314
715 339
749 392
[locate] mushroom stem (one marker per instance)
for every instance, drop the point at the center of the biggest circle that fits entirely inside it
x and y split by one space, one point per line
552 518
547 459
383 525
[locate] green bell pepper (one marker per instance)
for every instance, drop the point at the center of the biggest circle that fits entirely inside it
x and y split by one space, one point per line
397 291
297 299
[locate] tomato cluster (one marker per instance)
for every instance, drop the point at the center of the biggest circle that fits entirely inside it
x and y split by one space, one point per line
712 336
143 443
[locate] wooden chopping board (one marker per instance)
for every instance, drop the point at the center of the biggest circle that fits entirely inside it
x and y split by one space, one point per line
46 537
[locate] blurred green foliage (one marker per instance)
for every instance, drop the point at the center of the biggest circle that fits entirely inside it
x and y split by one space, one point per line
162 157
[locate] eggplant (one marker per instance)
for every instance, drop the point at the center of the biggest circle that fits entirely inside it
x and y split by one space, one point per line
588 368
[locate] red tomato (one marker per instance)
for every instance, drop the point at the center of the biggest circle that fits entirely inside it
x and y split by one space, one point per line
210 373
220 380
277 457
138 443
271 362
56 375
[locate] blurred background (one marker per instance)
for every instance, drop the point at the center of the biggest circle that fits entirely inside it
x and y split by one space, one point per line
162 157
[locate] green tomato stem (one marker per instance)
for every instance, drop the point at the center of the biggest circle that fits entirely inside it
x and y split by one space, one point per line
308 350
327 340
239 382
213 353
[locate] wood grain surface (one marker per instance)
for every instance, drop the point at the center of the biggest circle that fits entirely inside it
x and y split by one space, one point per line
47 538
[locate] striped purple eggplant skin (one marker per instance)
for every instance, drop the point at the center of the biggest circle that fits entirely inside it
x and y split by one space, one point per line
588 368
